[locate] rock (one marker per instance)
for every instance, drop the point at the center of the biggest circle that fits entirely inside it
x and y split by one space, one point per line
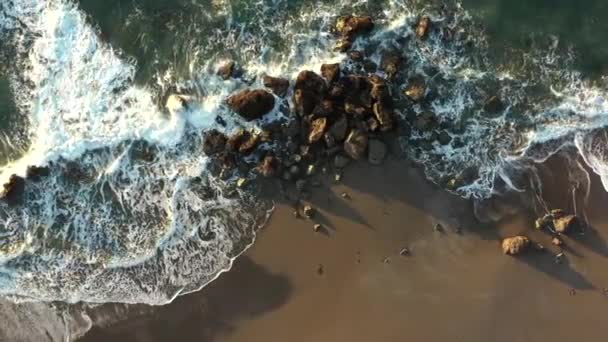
301 185
226 71
324 109
380 91
545 222
13 190
308 211
311 170
557 241
444 138
331 72
337 91
251 104
345 195
351 26
178 104
493 105
214 142
343 44
305 102
356 56
268 166
565 224
241 182
279 86
373 124
422 30
515 245
317 130
384 116
405 252
559 258
416 91
391 65
341 161
377 152
294 170
339 129
310 81
317 228
330 141
36 173
425 121
356 144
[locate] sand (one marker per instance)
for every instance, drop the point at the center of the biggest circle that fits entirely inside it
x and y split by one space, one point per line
455 286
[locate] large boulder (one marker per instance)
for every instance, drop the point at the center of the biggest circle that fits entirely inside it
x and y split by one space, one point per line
251 104
12 192
279 86
305 102
356 144
515 245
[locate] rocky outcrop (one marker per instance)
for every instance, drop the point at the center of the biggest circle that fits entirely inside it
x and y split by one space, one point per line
12 192
251 104
214 142
515 245
279 86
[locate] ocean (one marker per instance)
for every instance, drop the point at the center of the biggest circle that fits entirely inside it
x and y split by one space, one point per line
82 90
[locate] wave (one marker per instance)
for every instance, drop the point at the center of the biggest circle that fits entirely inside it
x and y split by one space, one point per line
130 212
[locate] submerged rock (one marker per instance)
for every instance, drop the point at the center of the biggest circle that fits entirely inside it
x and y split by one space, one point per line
279 86
350 26
494 105
36 173
515 245
356 144
177 104
251 104
416 91
391 65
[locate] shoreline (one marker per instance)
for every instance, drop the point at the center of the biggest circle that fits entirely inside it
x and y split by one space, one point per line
457 278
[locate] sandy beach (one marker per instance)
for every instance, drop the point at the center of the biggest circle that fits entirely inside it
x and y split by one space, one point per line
455 285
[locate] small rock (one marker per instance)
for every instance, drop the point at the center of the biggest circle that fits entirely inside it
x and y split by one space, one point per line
444 138
386 260
341 161
422 30
317 228
268 166
296 214
320 270
338 177
343 44
425 121
515 245
351 26
249 145
405 252
416 92
557 241
251 104
438 227
279 86
391 65
345 195
311 170
377 152
36 173
294 170
308 211
317 130
178 104
355 145
241 182
331 72
384 116
356 56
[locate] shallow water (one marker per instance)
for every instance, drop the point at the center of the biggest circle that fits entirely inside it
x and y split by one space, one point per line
88 78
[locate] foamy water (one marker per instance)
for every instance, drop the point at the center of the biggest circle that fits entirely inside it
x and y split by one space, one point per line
144 230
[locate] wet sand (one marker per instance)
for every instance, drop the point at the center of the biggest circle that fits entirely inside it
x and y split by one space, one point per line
455 286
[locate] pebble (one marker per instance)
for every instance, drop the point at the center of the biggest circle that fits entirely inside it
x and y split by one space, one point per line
405 252
309 212
559 258
320 269
438 228
345 195
338 177
317 228
387 260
